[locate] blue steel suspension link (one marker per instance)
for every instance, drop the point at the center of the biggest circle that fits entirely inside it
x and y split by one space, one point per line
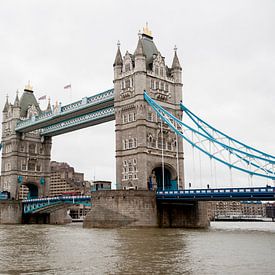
159 110
192 115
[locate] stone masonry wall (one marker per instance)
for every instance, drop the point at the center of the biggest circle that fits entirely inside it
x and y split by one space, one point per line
10 212
189 215
122 208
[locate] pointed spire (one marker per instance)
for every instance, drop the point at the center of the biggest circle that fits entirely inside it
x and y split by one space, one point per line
16 101
118 59
6 104
139 50
49 108
176 63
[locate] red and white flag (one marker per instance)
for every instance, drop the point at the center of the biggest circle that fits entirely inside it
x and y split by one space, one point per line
42 97
68 86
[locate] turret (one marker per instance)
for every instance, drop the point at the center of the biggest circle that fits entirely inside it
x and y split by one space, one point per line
118 62
49 108
6 107
176 68
140 61
16 106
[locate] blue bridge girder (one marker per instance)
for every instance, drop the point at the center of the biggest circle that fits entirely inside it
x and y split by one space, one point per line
76 115
47 205
218 194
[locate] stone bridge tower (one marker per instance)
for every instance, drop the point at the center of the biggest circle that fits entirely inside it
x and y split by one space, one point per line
141 163
25 157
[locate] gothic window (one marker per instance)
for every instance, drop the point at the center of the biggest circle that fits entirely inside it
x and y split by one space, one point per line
135 176
127 67
125 163
32 148
161 86
130 143
135 161
38 167
135 142
124 170
31 165
130 177
41 150
156 70
161 71
23 166
169 146
124 118
130 117
166 88
157 85
127 83
134 116
152 84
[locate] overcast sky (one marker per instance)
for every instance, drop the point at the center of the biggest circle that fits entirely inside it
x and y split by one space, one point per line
226 48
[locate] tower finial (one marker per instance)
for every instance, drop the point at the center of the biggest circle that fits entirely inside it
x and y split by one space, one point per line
146 30
28 87
175 48
118 44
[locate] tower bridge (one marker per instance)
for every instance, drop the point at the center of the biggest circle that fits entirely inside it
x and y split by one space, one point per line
146 104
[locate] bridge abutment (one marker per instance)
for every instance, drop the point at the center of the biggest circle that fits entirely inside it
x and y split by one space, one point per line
183 215
139 208
10 212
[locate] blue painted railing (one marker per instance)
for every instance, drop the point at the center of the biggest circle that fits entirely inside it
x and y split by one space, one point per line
39 204
62 110
250 193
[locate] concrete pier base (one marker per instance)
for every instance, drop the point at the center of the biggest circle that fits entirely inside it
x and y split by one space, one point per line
183 215
122 208
137 208
10 212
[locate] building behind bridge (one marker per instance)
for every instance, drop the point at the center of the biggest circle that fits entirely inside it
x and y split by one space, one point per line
234 209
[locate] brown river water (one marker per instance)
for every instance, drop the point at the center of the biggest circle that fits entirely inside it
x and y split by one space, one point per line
224 248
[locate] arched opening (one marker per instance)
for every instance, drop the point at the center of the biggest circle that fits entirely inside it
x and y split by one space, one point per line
159 178
33 190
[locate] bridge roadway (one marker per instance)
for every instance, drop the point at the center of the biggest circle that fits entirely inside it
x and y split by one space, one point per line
49 204
43 205
80 114
266 193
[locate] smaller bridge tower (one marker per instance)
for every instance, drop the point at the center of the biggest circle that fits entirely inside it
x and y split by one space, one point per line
148 153
25 156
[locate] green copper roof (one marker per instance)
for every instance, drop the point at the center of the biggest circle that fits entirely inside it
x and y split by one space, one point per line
26 100
149 48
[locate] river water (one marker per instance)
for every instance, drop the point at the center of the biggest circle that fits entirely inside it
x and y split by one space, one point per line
224 248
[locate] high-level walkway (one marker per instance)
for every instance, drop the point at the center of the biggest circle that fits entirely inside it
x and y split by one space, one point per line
80 114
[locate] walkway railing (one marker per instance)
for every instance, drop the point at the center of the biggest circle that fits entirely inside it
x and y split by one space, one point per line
255 193
39 204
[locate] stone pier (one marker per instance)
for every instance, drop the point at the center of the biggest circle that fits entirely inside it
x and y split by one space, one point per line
122 208
183 215
139 208
10 212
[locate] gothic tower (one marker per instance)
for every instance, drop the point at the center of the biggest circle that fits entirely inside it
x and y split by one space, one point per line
147 152
25 157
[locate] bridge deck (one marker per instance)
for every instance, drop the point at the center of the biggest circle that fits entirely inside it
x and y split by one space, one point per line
233 194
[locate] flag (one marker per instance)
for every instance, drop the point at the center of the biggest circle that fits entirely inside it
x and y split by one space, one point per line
42 97
68 86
